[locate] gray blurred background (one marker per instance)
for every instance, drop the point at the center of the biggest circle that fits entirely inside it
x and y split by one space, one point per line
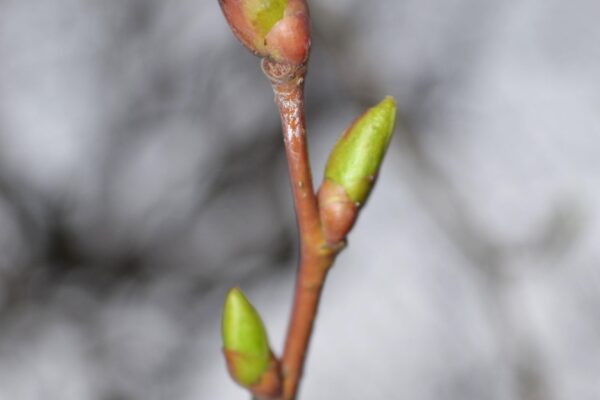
142 174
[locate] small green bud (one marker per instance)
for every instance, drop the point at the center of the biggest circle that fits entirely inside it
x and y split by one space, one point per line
357 156
245 340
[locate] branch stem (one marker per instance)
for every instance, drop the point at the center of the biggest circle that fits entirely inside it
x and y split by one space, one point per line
316 256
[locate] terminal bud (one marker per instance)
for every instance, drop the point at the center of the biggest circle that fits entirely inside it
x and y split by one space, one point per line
277 29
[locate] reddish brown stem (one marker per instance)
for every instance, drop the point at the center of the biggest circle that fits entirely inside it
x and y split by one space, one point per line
315 255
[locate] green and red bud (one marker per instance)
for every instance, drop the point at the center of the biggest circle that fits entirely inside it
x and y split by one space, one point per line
246 347
277 29
353 167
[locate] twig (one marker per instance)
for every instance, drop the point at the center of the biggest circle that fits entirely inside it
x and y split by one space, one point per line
316 256
279 33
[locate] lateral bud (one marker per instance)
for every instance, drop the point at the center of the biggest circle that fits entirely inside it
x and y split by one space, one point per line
352 169
250 360
355 160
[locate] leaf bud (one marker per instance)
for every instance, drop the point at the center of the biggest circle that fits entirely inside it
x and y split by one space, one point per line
277 29
245 341
355 160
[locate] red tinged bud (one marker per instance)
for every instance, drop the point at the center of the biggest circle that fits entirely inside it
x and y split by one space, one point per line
337 211
277 29
268 385
289 41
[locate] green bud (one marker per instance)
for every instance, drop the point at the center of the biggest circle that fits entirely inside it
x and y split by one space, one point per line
357 156
245 340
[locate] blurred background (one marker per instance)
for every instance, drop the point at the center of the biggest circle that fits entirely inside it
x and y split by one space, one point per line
142 174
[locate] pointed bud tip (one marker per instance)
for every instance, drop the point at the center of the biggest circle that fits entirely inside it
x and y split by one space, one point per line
235 299
384 113
245 339
357 156
388 101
